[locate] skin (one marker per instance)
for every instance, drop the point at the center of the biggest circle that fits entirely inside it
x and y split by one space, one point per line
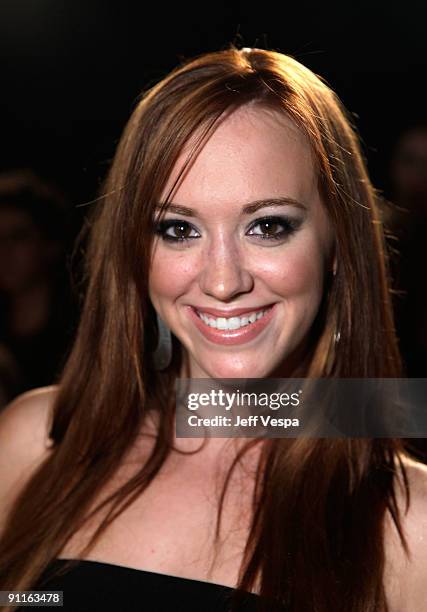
254 154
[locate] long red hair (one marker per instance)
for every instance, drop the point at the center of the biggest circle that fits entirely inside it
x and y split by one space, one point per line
316 539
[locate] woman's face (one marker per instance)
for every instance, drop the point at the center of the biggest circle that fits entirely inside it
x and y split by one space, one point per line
239 260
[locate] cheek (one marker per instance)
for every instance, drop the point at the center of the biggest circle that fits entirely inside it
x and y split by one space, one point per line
297 273
170 275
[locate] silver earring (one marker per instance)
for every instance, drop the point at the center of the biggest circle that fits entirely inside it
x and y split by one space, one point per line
162 355
337 336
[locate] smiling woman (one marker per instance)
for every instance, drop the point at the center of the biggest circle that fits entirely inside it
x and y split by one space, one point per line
238 237
238 269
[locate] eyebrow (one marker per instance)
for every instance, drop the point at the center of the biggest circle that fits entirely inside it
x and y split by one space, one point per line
247 209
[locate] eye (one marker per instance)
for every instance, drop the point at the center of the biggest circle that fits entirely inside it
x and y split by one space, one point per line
274 228
175 230
266 228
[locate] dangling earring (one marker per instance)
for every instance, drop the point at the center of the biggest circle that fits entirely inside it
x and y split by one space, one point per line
162 355
337 334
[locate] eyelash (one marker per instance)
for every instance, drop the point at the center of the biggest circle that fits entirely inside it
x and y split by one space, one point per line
289 225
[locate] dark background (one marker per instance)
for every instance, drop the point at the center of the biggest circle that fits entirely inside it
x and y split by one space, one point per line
71 70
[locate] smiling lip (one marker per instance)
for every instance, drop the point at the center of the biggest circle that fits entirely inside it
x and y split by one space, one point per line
234 312
231 336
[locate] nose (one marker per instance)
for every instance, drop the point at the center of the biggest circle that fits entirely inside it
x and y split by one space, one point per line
224 274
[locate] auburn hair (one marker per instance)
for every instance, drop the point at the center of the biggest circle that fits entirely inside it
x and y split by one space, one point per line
316 537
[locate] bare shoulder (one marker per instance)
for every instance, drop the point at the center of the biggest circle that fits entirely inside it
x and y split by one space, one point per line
25 422
406 575
24 440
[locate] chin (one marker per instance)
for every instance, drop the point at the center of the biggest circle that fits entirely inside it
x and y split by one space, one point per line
233 370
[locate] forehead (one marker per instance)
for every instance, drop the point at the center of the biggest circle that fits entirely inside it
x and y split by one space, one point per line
253 152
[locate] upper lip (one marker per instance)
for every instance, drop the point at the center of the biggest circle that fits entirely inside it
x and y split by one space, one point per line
233 312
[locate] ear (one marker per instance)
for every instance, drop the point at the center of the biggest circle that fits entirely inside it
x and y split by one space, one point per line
334 265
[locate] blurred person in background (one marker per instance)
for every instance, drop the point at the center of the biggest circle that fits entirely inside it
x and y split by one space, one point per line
10 380
37 310
409 170
407 221
408 192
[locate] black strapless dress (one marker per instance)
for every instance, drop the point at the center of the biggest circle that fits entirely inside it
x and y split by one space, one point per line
91 586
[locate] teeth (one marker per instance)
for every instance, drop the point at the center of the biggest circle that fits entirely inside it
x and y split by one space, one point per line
232 322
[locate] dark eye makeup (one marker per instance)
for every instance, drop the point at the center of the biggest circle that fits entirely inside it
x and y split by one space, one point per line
269 228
